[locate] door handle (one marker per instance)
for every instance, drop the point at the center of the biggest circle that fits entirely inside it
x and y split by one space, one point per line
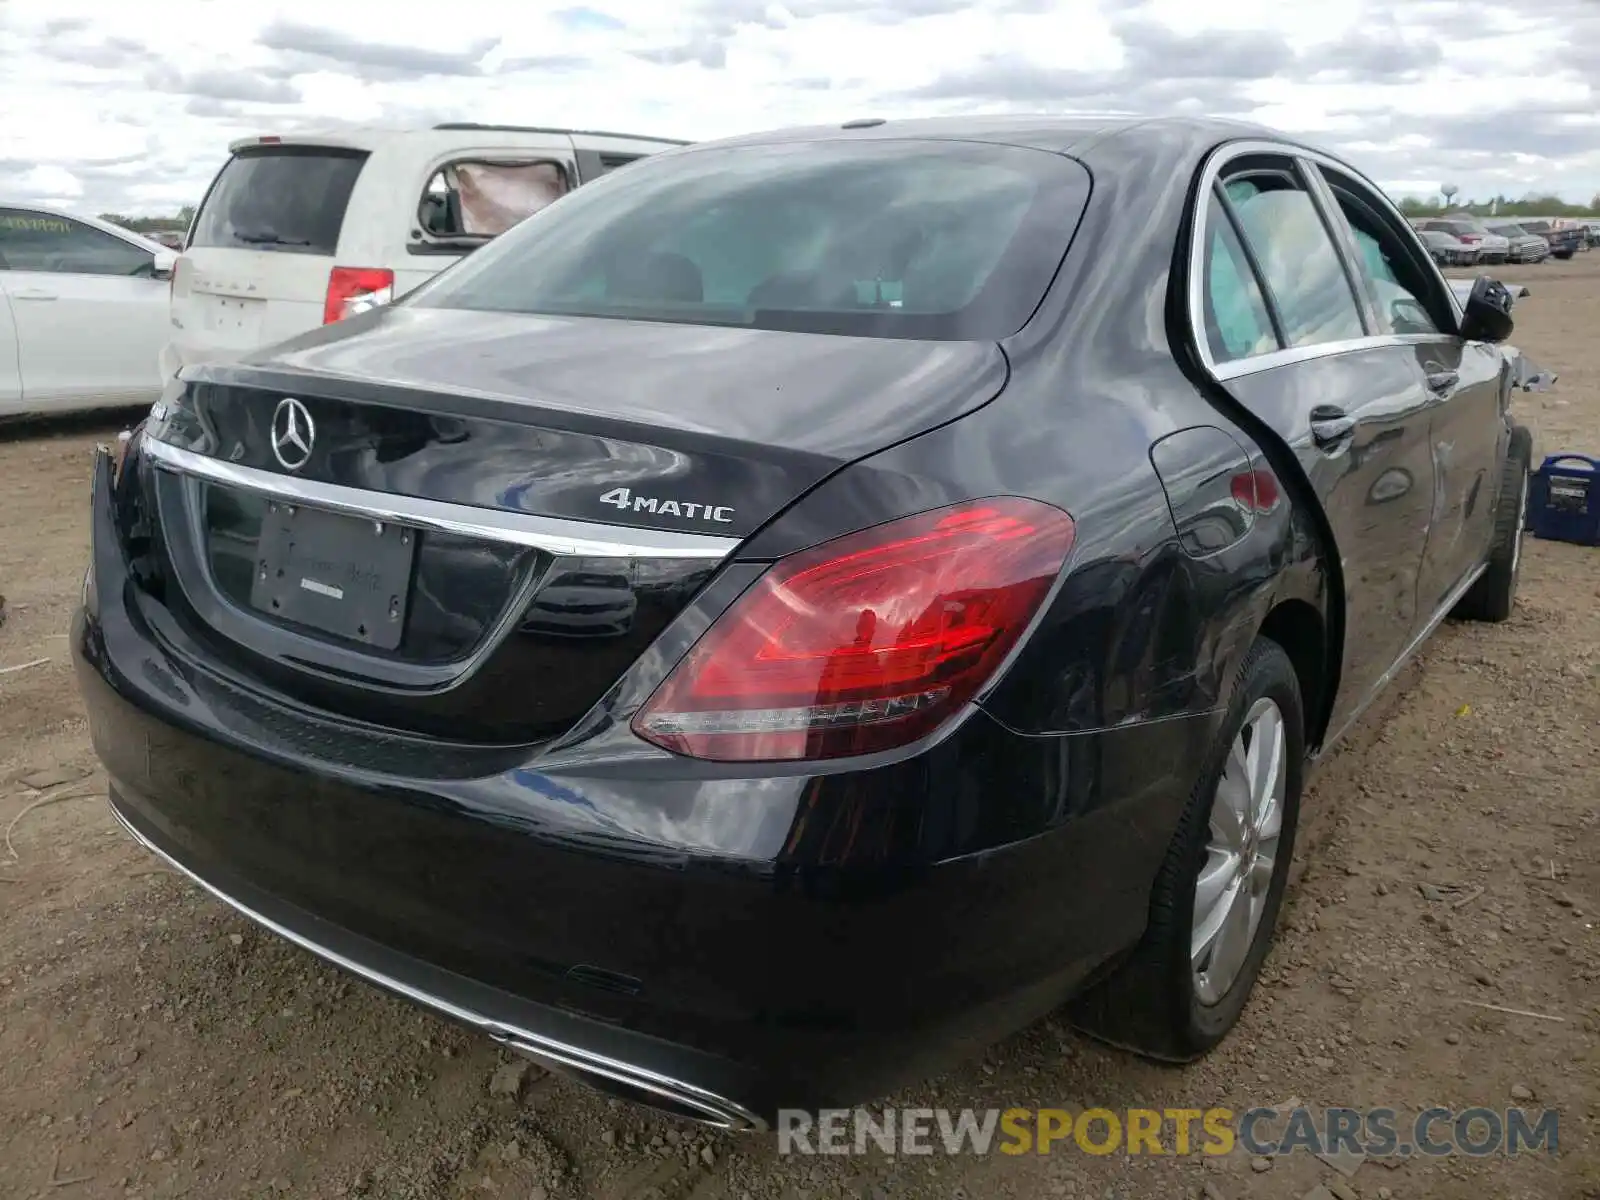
1331 427
32 294
1442 383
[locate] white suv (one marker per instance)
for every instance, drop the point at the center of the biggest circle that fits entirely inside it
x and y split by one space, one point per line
297 231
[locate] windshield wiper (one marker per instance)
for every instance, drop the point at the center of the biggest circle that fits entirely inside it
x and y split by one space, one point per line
270 239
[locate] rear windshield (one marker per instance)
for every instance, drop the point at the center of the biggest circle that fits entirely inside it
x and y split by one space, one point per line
283 198
940 240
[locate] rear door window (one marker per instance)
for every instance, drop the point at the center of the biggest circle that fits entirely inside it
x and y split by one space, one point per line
1238 324
31 241
287 199
1299 262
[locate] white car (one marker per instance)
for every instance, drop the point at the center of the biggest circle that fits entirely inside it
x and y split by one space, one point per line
297 231
83 312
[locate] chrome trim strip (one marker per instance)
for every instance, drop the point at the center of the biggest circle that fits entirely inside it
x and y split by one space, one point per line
1209 173
1290 355
555 535
1443 611
719 1111
1298 354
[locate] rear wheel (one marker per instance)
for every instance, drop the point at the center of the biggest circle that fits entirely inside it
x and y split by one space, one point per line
1217 896
1495 594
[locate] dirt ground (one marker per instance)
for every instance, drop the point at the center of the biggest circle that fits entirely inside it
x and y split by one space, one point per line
154 1044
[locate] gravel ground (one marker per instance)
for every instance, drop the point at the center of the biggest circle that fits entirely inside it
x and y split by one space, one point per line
154 1044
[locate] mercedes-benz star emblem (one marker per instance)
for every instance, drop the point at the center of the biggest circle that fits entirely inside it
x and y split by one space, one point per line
293 433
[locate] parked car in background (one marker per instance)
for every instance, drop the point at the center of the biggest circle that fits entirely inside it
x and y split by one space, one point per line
1525 247
299 231
1564 240
83 312
1573 225
749 636
1448 250
1591 234
1493 248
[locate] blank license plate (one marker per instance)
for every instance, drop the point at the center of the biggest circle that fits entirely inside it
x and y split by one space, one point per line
341 575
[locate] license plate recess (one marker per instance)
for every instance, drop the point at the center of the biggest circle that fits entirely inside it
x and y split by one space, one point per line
345 576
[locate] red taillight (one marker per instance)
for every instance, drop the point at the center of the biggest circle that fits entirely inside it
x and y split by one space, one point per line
270 139
355 289
1255 491
1471 239
866 642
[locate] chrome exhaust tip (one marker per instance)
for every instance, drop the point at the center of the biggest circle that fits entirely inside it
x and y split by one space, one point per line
638 1085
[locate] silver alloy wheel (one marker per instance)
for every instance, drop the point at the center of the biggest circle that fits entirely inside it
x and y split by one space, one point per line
1241 854
1522 521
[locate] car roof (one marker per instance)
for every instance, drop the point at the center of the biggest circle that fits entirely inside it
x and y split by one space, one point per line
1064 133
370 137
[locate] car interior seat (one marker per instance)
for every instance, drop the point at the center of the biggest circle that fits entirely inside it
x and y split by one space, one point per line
656 276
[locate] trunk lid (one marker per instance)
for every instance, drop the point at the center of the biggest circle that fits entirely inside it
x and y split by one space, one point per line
655 447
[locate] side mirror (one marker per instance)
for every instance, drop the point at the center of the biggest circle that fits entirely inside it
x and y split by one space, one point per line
164 264
1488 311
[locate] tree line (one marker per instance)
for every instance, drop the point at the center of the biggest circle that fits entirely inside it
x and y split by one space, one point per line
177 224
1503 206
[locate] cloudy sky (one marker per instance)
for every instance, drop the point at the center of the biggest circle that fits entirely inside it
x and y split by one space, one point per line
129 108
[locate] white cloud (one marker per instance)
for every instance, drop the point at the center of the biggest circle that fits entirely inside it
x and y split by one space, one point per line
49 183
126 113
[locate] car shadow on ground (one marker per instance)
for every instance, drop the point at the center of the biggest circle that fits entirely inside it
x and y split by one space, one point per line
86 423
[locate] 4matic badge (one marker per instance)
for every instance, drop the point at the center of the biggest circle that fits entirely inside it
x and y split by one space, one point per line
629 502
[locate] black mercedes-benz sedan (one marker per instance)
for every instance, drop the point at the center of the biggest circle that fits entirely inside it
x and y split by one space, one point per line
803 607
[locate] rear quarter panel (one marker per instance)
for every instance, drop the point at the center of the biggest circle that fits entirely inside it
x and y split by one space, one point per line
1139 631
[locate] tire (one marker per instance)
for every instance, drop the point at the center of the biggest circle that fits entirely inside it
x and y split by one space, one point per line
1495 594
1156 1003
1563 255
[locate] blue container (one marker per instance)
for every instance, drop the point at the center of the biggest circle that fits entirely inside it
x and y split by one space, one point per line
1564 499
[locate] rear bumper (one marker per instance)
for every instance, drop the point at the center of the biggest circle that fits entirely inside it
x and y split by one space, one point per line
634 1067
718 946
